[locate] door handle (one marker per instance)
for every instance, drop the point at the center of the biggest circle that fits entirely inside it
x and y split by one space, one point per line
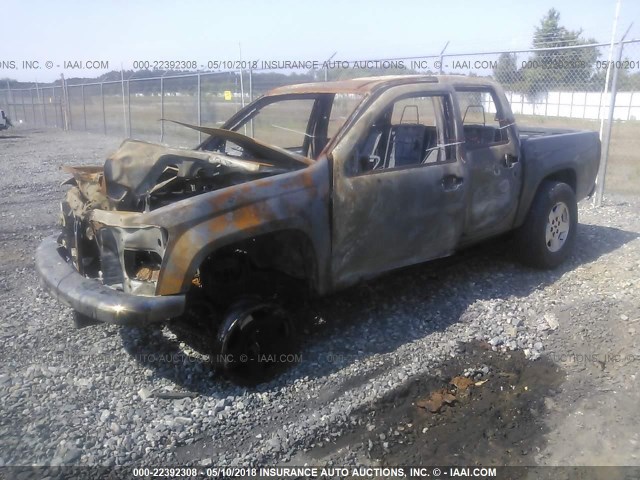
510 160
451 183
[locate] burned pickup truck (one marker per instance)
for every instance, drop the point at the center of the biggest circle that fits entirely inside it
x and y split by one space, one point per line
311 188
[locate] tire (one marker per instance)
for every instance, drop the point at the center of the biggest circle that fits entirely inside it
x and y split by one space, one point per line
548 234
255 341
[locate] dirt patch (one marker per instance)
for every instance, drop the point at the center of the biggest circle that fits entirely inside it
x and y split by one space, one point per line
482 408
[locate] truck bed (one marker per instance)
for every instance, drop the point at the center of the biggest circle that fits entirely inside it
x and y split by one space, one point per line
574 154
529 132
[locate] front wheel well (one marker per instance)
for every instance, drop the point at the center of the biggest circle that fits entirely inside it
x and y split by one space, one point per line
277 263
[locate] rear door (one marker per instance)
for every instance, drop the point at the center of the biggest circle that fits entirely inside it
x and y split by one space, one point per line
398 185
492 156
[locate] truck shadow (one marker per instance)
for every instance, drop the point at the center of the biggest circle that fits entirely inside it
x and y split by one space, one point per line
375 317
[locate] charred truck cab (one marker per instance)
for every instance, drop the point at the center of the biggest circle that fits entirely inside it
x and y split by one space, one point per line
311 188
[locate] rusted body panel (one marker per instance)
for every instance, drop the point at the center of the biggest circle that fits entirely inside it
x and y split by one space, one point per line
365 85
149 220
389 219
198 226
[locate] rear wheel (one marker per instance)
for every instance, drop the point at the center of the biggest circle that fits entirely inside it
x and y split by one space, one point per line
547 236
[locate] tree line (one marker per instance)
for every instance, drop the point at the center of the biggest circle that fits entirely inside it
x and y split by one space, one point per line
552 66
555 67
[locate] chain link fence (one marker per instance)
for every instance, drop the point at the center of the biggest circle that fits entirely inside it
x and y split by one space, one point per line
568 87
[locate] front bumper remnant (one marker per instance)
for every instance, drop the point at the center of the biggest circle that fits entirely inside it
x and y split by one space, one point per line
95 300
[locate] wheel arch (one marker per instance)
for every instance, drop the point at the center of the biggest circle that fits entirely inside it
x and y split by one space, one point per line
288 250
564 175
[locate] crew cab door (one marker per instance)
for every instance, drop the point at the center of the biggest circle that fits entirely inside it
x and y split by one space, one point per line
492 156
399 187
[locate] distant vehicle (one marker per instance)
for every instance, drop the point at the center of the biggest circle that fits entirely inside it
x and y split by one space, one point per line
312 187
5 122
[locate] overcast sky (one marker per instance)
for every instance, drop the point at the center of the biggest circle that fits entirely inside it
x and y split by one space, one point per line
123 31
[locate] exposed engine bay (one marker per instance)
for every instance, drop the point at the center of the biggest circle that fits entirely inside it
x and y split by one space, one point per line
102 232
143 176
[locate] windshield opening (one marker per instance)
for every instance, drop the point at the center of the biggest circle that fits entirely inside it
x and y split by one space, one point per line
302 124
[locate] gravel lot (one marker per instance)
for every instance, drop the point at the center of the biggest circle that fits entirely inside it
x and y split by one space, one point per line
112 395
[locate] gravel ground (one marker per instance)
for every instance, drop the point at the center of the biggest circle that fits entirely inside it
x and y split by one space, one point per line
112 395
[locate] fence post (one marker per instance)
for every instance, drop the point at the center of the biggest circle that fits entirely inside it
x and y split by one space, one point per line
63 115
10 102
571 106
69 107
84 108
33 107
604 155
56 110
44 110
104 114
63 104
199 111
24 110
161 109
253 133
242 87
546 104
15 106
129 107
124 108
34 103
441 70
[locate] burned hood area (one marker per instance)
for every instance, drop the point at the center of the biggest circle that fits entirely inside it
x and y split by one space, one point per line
142 176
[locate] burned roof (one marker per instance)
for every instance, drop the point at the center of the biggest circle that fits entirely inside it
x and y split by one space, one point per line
366 85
